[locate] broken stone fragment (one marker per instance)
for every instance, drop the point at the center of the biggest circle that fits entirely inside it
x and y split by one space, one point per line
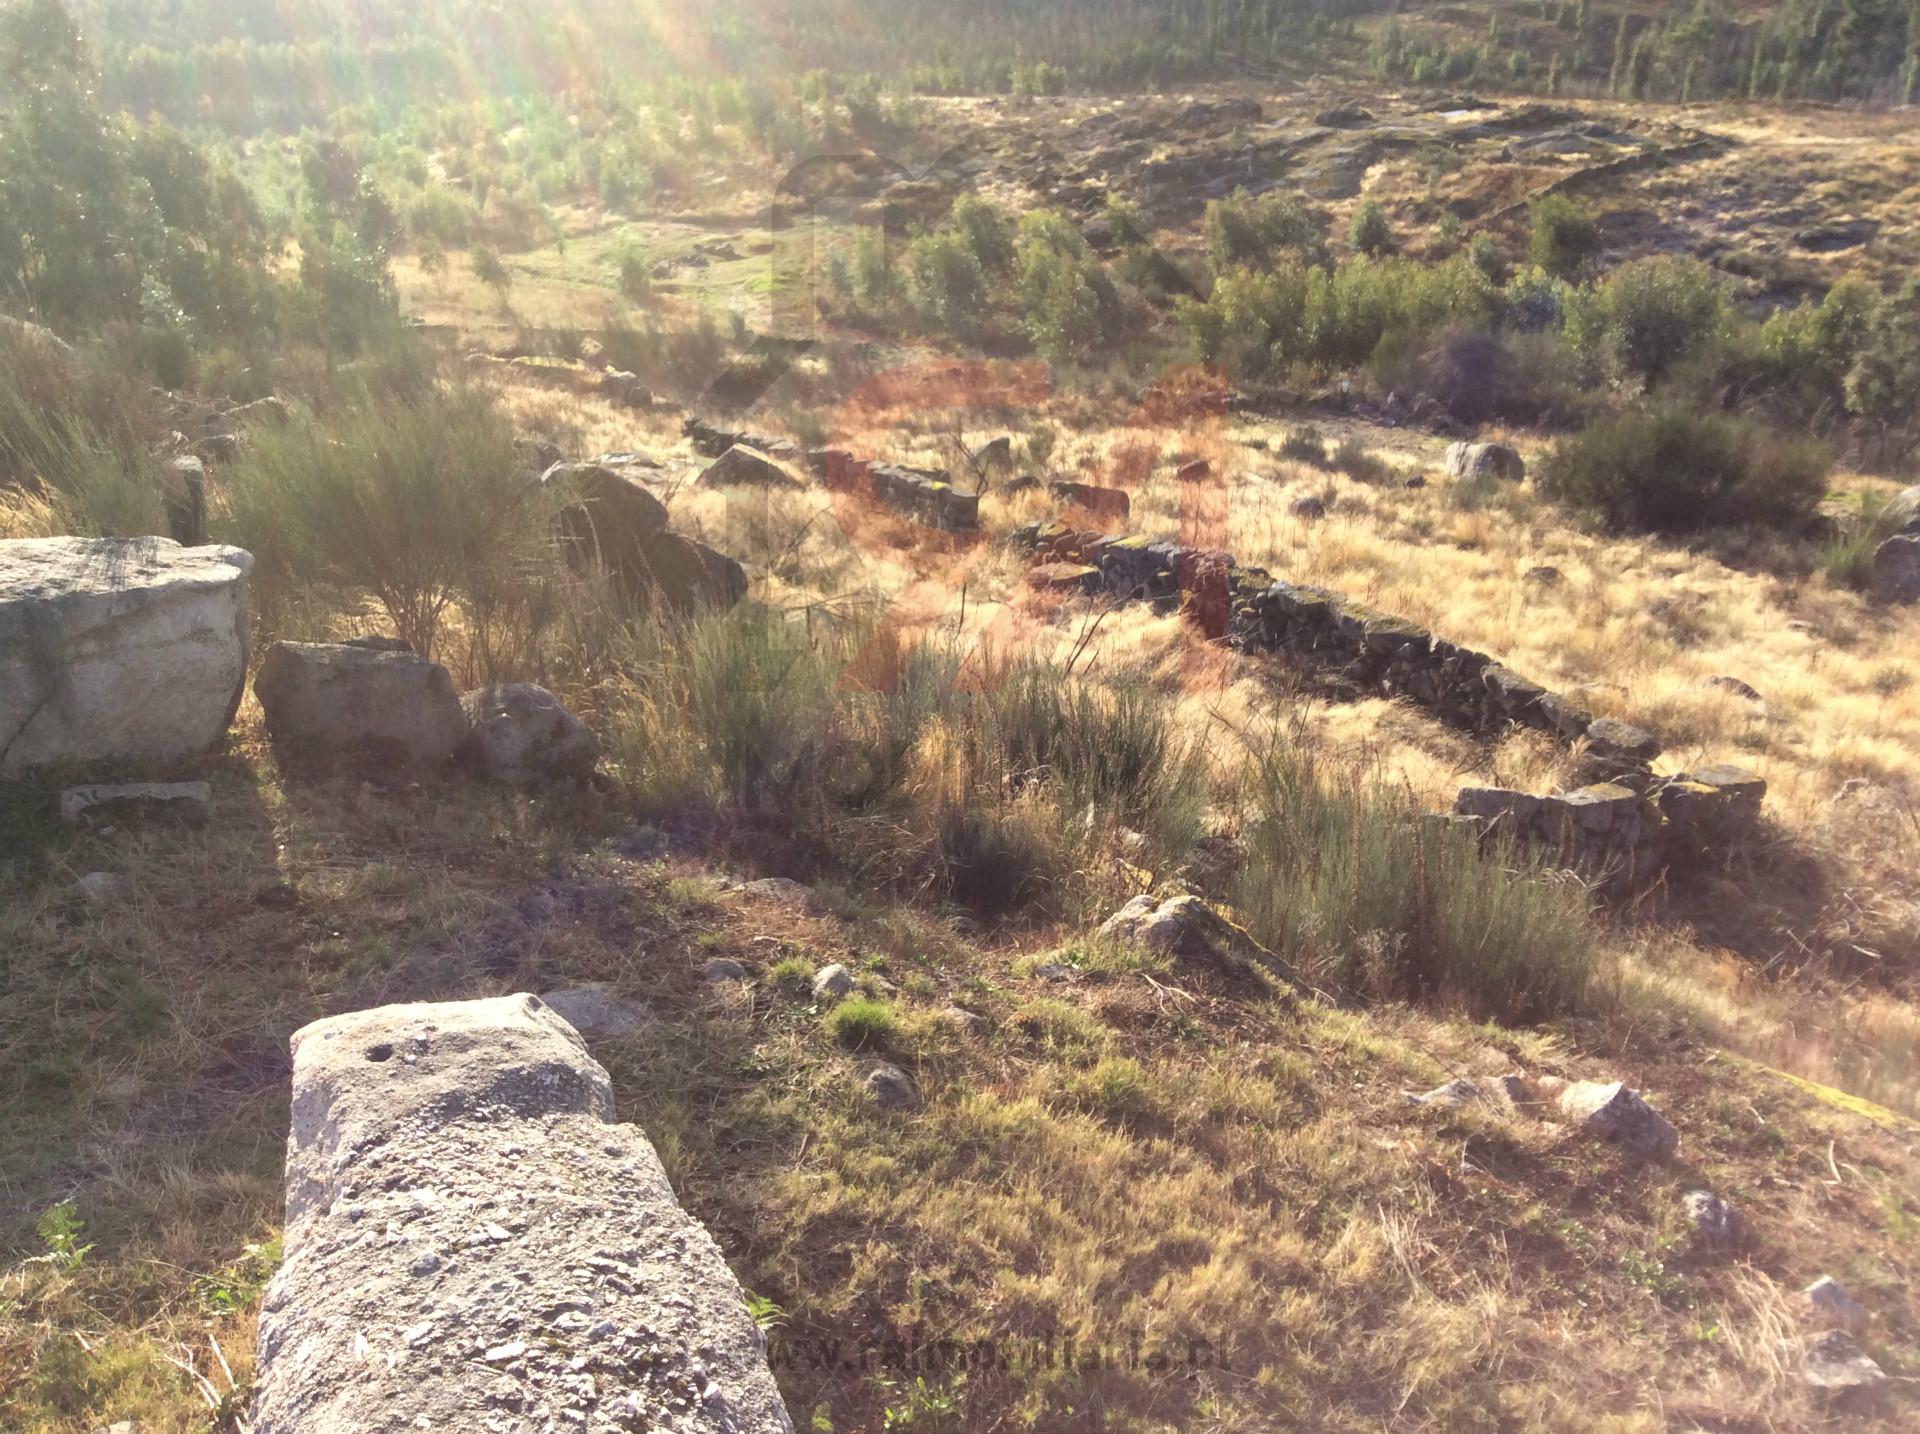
1833 1362
832 982
1715 1223
100 805
1620 1116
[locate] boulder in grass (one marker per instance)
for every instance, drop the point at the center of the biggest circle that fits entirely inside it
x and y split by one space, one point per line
520 735
743 467
370 706
1478 462
684 575
604 515
118 649
1834 1364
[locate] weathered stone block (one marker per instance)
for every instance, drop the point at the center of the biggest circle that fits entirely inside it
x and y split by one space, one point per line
118 649
463 1215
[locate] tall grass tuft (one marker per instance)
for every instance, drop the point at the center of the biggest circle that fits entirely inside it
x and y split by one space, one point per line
74 431
1349 881
417 500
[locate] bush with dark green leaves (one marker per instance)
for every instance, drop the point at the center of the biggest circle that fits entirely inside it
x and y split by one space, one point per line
1678 472
1648 315
1242 230
1370 233
1564 237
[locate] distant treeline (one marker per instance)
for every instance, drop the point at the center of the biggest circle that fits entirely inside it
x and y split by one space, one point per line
1864 50
243 65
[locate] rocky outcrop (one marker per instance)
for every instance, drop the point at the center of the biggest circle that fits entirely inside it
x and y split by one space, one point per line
472 1243
711 441
519 734
1485 462
118 649
372 706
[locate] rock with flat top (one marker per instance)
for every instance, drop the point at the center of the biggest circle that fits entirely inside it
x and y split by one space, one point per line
118 650
596 1012
1619 1116
465 1223
369 706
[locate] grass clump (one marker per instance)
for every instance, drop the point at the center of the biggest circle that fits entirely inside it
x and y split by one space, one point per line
793 974
1346 880
864 1024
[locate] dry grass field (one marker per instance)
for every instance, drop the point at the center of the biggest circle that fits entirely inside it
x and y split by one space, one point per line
1145 1198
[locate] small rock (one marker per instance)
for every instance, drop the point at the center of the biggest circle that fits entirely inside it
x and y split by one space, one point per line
1311 509
595 1012
775 888
1417 481
890 1088
104 889
1546 577
1454 1095
1829 1306
97 805
1621 741
996 453
1053 971
1197 471
830 983
722 969
972 1022
1187 928
1834 1362
1717 1224
1613 1113
505 1353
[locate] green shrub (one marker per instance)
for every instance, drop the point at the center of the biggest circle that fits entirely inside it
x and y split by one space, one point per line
792 973
1243 231
1884 382
417 501
636 277
984 228
861 1023
1305 444
1677 472
1064 292
1370 233
1564 237
1649 314
950 287
73 443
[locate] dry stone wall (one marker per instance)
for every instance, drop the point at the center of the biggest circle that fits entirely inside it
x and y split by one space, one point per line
1627 826
473 1244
